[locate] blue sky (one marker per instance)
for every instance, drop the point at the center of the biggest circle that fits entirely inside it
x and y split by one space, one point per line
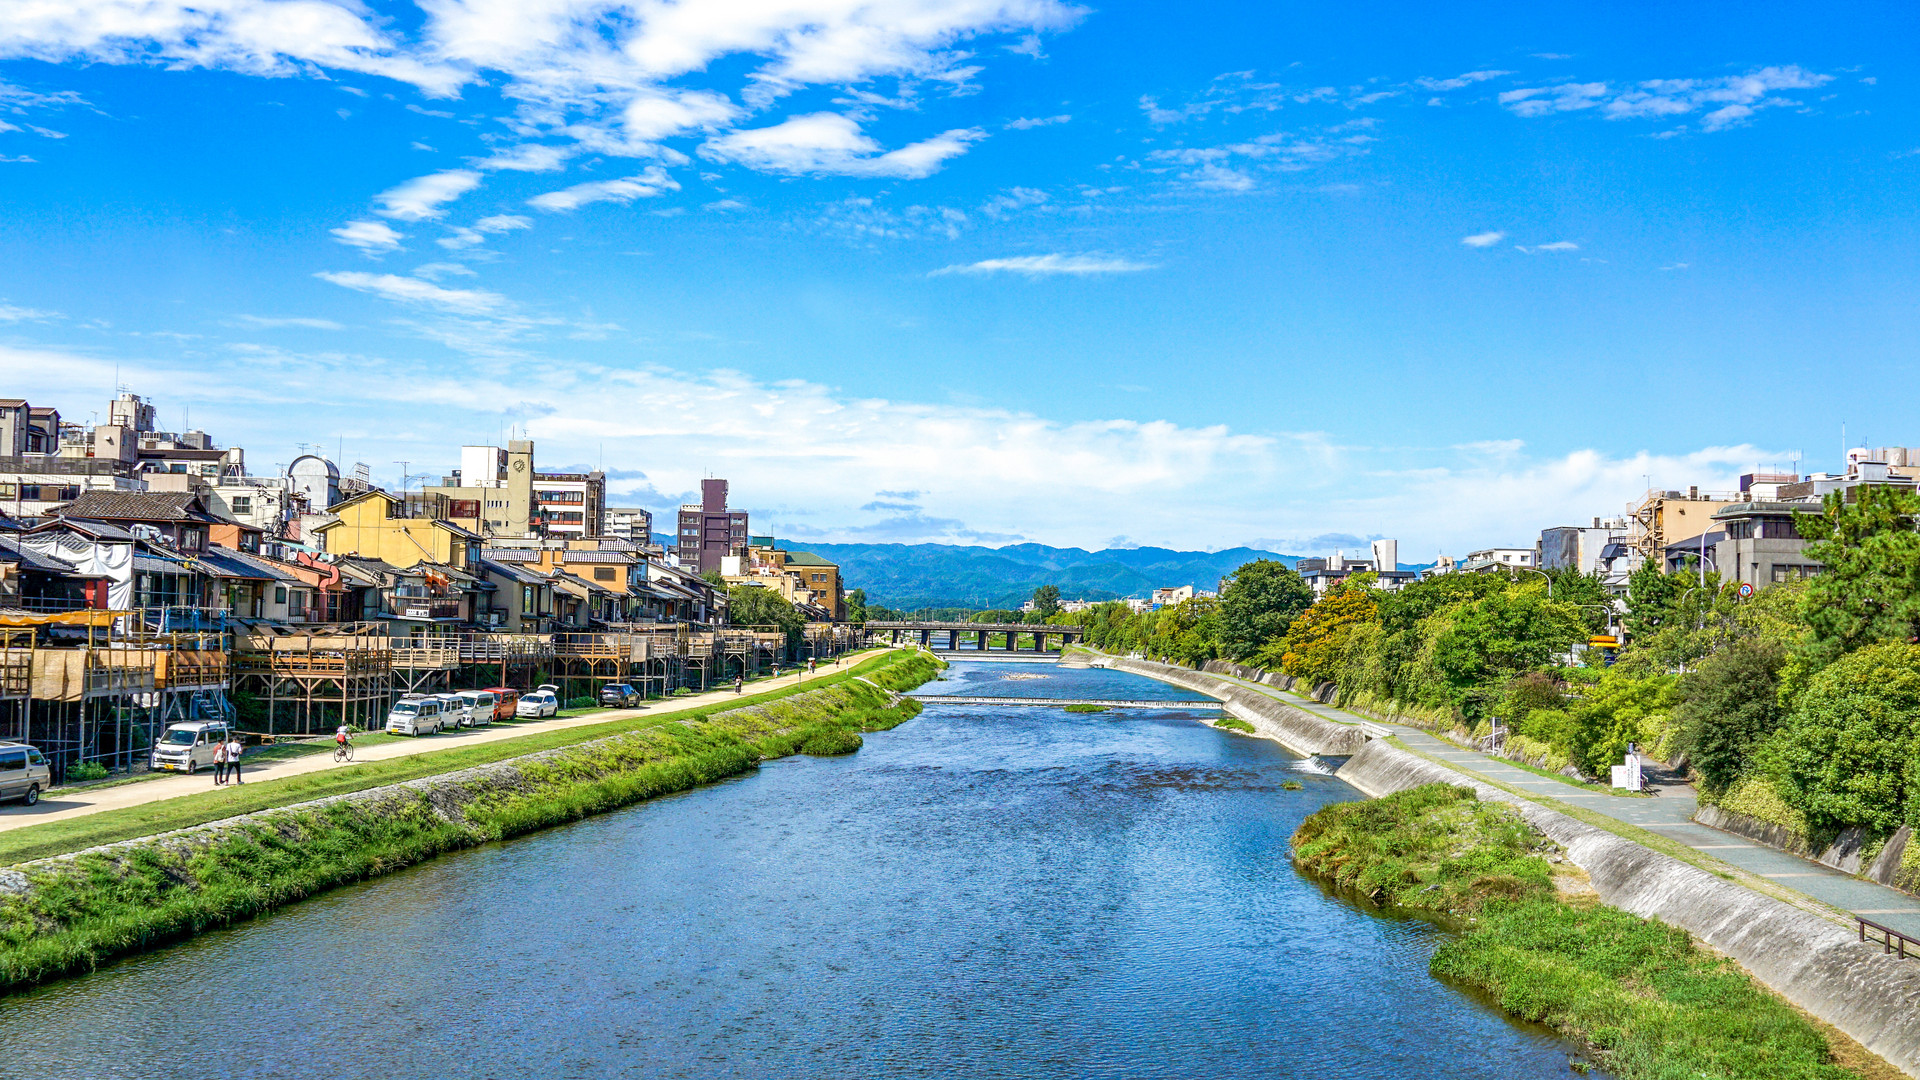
984 270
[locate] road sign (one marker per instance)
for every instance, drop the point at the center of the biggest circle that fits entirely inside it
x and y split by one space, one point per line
1746 589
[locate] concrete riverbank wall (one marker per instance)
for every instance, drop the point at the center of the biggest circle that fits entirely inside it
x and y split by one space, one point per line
1296 729
1811 961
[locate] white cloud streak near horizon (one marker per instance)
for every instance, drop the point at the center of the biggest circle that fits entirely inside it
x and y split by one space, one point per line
983 475
1048 266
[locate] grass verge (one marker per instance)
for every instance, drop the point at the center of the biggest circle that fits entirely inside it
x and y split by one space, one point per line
76 834
75 913
1647 1002
1234 723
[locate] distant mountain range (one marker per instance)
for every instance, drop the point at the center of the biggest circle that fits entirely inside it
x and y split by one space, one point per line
909 576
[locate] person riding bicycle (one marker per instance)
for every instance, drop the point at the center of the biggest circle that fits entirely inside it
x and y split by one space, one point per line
343 736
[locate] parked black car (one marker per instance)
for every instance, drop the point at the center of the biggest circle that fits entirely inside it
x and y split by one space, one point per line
619 694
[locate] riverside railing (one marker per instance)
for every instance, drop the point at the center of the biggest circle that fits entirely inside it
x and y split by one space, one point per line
1894 940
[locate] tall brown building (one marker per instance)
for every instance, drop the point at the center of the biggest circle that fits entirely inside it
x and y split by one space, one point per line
709 531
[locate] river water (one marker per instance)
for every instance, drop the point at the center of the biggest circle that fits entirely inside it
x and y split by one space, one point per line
986 891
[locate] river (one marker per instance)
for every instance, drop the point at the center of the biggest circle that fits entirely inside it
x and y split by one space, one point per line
985 891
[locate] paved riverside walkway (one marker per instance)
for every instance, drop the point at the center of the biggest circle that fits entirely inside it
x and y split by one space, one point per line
1667 813
61 804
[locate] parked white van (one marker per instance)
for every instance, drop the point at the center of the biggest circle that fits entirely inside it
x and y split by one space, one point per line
455 712
479 705
416 715
188 747
24 773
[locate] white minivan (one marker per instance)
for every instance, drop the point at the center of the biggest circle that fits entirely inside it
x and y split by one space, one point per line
416 716
187 748
479 705
537 704
455 712
24 773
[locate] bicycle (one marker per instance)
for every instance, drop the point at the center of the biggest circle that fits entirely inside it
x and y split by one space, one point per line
343 752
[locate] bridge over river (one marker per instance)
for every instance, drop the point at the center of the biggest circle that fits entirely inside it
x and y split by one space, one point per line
984 639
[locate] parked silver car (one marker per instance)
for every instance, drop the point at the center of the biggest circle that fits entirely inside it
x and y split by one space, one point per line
24 773
537 704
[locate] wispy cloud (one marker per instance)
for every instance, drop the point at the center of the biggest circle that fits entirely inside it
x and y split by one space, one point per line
1459 82
466 237
833 145
1049 266
372 237
1723 102
654 181
10 313
407 290
1025 123
266 322
1557 245
423 197
1485 239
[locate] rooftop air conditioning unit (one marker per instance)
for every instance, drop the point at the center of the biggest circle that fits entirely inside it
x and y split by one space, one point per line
144 532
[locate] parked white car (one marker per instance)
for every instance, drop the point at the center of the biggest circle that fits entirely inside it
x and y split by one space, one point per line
187 748
478 706
538 704
457 712
416 716
24 773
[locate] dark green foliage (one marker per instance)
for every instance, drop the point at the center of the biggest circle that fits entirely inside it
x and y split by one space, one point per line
857 607
1649 1004
1652 595
1046 601
83 771
1257 604
1869 590
1727 707
582 703
1234 723
1291 785
1850 752
750 605
1083 707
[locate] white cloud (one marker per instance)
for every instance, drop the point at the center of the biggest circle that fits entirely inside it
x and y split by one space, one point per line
466 237
406 290
10 313
1049 266
1485 239
1025 123
434 271
832 144
527 157
1727 102
1557 245
1459 82
422 197
263 322
18 159
654 181
372 237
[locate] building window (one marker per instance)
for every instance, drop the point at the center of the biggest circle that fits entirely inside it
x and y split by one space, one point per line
603 573
242 504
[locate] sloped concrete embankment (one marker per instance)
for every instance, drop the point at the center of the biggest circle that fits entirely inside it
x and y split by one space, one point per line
1817 965
1845 853
1296 729
66 914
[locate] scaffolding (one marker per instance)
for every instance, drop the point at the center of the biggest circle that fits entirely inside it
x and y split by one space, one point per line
313 680
583 662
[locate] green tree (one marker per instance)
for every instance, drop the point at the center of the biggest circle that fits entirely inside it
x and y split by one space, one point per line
1046 600
1869 591
857 606
713 578
1505 634
751 605
1652 595
1258 602
1849 754
1316 642
1728 706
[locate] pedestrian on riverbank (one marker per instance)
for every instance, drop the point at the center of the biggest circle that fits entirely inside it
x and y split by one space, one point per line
739 684
220 763
233 759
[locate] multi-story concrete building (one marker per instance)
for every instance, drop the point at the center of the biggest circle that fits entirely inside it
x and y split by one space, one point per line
709 531
631 523
570 504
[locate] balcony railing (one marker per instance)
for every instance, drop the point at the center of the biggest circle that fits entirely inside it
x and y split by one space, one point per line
425 607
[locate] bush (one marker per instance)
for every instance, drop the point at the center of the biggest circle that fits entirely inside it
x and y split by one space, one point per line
1727 708
1850 752
81 772
581 703
1234 723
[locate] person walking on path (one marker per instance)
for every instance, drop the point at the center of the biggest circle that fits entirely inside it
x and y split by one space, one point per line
739 684
233 758
220 762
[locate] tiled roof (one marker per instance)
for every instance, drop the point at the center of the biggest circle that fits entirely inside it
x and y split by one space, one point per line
807 558
98 530
510 555
511 572
598 556
39 562
138 506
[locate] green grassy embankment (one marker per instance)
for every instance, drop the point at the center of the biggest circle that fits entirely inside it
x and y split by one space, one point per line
76 834
1234 723
73 914
1645 999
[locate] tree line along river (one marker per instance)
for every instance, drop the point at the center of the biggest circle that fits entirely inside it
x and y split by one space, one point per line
985 891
